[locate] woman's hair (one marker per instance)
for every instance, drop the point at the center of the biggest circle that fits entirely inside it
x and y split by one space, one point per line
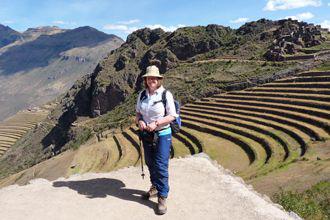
160 82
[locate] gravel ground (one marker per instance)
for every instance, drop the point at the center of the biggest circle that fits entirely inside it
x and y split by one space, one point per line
199 189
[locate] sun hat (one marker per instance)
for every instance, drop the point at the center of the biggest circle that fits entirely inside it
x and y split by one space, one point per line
152 71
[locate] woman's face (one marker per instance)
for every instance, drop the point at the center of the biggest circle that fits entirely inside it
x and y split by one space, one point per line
152 82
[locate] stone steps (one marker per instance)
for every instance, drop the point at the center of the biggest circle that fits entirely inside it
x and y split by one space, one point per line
278 89
304 79
309 106
313 117
128 154
316 73
278 117
274 152
325 85
278 141
292 133
13 126
110 144
10 135
7 143
253 150
307 96
13 131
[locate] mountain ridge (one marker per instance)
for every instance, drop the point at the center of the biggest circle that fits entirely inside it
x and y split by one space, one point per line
51 57
8 35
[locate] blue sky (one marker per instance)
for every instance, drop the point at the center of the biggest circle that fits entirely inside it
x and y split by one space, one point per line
121 17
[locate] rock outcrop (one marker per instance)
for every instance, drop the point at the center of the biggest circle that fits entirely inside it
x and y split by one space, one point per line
292 36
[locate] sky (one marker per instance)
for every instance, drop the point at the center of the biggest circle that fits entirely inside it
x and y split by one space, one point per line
121 17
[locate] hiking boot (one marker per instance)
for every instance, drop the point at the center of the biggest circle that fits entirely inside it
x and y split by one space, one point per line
152 192
161 205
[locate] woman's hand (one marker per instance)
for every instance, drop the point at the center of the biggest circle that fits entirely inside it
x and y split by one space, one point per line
142 125
151 127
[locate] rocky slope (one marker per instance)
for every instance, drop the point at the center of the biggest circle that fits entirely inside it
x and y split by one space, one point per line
8 35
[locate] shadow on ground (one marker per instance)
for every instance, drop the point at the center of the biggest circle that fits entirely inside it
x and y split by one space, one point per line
103 187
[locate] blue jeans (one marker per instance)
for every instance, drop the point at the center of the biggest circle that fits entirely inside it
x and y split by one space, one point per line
157 158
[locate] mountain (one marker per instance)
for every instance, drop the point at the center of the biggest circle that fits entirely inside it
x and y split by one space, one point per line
198 61
31 34
52 59
8 35
34 33
40 52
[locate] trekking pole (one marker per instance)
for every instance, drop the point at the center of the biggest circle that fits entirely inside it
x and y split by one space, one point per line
140 138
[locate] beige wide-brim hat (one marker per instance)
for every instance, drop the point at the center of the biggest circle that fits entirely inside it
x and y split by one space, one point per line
152 71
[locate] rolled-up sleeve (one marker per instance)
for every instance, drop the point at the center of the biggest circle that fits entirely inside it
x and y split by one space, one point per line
170 106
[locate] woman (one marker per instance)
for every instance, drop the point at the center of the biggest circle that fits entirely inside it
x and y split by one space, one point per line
153 119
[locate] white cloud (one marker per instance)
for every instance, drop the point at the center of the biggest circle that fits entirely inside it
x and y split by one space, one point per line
326 24
133 21
328 4
239 20
274 5
115 27
120 27
165 28
59 22
8 22
301 17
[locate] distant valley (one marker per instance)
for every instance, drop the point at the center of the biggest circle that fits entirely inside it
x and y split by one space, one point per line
41 63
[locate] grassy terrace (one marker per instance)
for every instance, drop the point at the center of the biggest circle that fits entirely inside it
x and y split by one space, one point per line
15 127
255 133
192 81
264 128
261 128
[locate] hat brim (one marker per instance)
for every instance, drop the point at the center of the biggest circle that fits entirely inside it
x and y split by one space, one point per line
152 75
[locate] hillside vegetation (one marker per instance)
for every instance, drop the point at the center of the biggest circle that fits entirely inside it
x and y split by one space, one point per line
197 62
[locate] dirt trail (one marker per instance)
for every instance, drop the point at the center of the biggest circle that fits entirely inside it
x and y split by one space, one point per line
200 189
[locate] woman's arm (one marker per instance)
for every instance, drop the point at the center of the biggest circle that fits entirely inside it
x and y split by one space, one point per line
164 121
137 117
140 123
160 122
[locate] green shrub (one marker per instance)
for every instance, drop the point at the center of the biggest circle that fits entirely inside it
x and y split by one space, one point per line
82 135
313 203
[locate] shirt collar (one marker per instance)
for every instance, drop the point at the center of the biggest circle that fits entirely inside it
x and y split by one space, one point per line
159 90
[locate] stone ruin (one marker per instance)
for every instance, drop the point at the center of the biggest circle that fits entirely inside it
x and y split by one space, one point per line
291 37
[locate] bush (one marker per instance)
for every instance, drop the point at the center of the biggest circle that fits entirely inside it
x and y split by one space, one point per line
313 203
82 136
